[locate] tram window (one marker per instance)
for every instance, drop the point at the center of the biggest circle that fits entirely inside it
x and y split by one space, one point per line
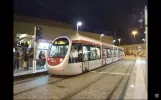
73 58
108 53
94 53
98 53
85 53
59 50
80 53
76 53
113 52
104 52
120 51
116 53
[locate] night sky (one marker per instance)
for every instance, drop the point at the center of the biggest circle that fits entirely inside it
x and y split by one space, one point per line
111 17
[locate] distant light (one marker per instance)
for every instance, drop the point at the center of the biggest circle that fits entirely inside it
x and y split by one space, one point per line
132 86
14 50
43 45
134 32
119 39
79 23
102 34
23 35
143 39
114 41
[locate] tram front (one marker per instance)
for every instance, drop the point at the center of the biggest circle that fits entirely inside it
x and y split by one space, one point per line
58 55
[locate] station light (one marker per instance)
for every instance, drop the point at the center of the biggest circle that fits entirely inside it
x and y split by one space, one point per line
23 35
102 35
79 23
119 41
43 45
134 32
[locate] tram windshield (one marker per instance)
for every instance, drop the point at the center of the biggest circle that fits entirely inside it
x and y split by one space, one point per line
59 48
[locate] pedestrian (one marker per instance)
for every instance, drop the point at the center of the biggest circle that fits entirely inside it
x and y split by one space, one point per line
26 60
17 57
44 58
14 61
31 57
40 58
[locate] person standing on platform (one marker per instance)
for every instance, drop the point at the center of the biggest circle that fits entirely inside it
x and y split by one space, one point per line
17 55
26 60
31 57
40 58
44 58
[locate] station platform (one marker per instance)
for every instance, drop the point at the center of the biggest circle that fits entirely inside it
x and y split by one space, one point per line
26 73
137 86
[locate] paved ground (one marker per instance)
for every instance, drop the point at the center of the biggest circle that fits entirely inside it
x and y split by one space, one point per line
96 84
137 88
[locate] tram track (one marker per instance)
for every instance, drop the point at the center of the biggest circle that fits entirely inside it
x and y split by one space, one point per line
98 70
33 79
38 78
86 86
113 65
37 86
118 84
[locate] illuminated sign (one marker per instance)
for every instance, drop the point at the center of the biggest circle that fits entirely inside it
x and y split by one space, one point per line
60 42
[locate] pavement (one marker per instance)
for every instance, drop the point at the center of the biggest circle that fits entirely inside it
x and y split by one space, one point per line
137 87
96 84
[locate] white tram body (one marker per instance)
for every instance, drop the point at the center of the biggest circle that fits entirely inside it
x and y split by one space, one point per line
76 54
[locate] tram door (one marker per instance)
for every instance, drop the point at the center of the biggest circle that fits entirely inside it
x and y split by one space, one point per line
104 56
85 62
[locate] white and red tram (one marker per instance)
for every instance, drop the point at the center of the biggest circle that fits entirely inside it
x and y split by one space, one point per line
72 55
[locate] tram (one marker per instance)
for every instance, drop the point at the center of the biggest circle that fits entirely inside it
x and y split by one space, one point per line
76 54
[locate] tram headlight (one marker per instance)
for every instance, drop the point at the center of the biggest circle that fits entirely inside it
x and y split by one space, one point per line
61 60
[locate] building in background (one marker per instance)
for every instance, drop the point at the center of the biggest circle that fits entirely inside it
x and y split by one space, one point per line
51 29
139 49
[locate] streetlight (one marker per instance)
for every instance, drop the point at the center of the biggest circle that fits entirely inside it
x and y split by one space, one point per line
134 33
119 41
102 34
101 45
78 24
114 42
101 37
